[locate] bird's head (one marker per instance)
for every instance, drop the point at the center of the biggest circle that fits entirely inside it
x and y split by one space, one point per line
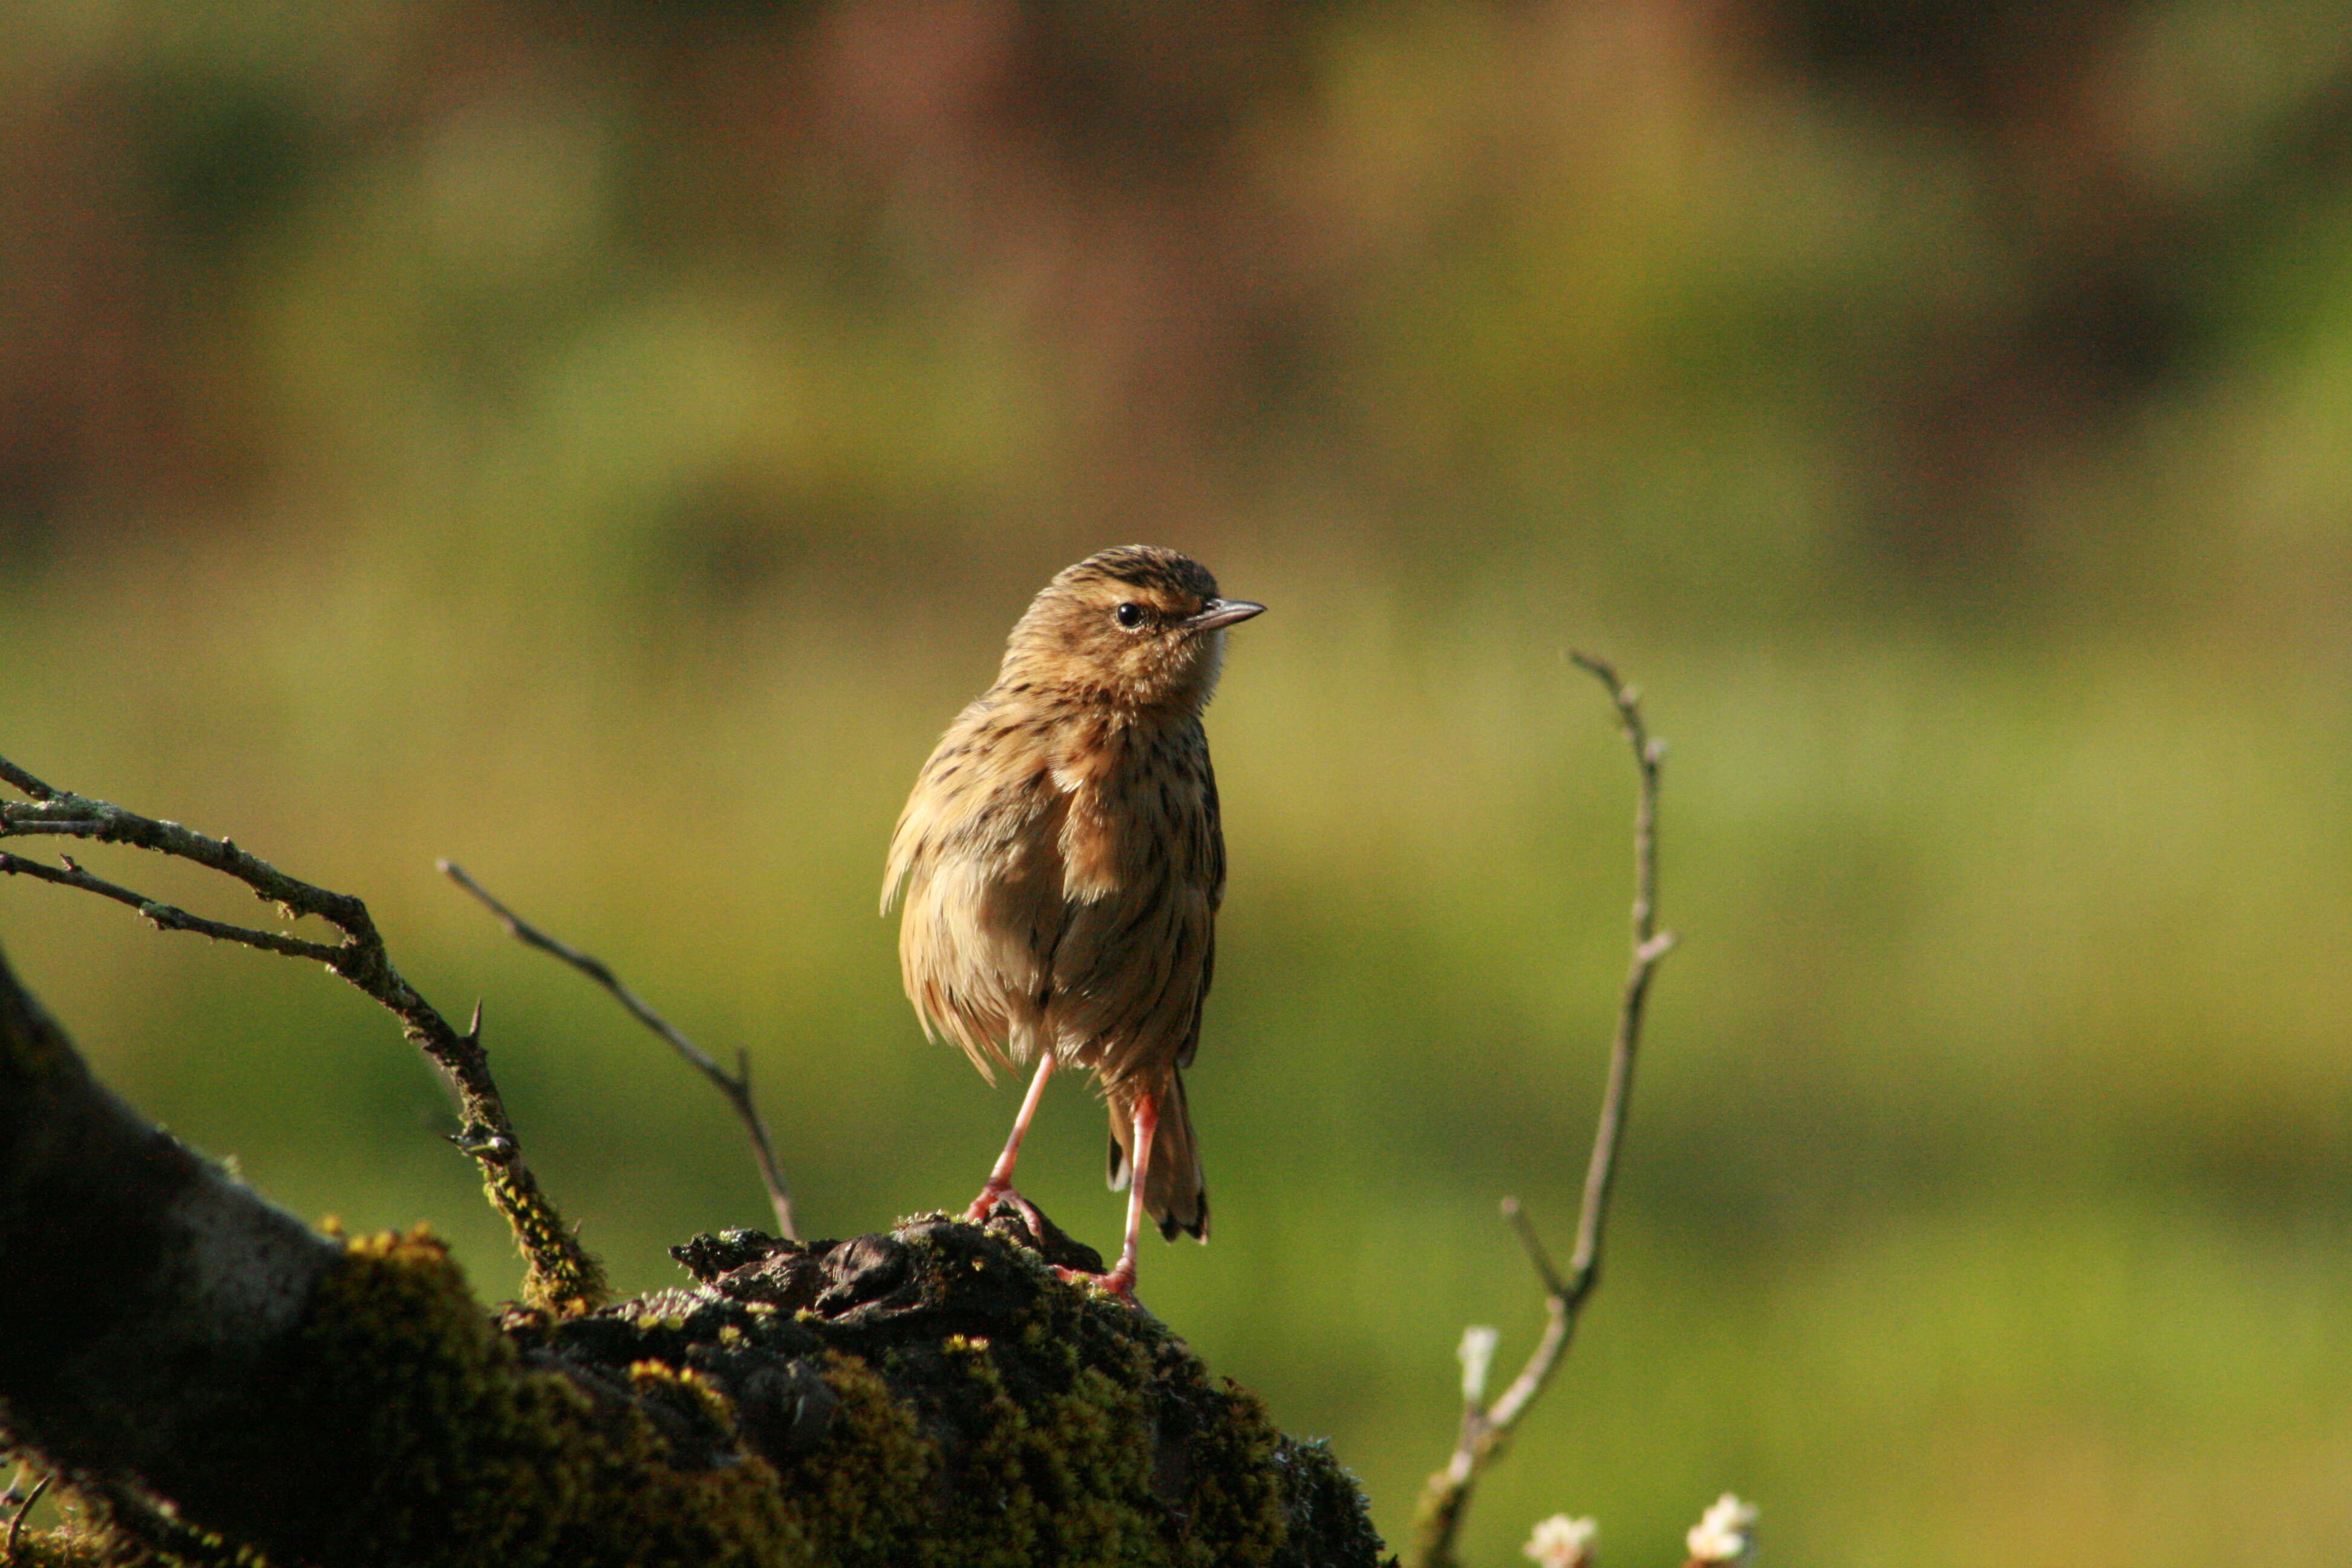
1138 626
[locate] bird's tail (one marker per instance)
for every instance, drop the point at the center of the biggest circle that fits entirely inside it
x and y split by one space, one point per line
1173 1193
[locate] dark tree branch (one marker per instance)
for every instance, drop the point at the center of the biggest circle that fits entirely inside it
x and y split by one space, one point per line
23 782
558 1269
1488 1428
736 1089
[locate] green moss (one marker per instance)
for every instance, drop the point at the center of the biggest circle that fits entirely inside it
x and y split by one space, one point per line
65 1547
864 1493
518 1465
1060 1421
993 1417
953 1406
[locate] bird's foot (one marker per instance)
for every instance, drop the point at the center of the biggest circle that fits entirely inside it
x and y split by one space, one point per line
994 1192
1118 1282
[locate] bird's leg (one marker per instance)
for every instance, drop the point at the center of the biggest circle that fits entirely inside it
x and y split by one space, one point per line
999 1180
1120 1281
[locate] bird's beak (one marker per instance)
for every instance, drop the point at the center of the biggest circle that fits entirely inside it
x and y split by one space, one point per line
1224 613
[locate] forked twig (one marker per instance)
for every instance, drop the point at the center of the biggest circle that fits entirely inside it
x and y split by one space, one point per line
1486 1428
559 1270
736 1091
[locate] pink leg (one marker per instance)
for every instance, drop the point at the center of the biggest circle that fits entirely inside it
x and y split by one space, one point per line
999 1180
1120 1281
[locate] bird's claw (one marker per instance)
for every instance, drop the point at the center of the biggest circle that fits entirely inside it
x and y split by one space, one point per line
991 1195
1118 1282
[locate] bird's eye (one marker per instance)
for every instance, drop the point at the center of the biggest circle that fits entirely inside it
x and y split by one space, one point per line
1131 616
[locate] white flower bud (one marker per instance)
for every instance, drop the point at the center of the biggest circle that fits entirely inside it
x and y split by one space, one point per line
1721 1534
1478 1353
1561 1541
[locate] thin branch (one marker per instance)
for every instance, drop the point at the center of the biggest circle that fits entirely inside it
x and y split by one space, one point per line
25 1509
1486 1430
164 917
559 1270
11 773
1518 1215
736 1089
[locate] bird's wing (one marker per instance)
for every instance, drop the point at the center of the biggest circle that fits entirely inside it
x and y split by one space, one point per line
1216 888
977 856
1208 973
939 798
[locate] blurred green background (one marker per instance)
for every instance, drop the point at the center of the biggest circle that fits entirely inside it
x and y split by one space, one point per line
605 443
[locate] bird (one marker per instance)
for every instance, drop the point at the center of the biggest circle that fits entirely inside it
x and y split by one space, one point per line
1061 862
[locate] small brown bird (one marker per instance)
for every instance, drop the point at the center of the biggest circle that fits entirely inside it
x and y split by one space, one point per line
1062 864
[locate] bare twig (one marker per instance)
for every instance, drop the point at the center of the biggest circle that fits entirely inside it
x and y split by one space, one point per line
163 917
1487 1429
25 1509
735 1090
1517 1217
560 1271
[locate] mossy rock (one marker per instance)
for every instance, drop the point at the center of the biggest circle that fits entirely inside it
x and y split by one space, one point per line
937 1394
933 1395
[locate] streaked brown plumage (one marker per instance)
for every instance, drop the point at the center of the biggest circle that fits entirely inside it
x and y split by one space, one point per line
1062 862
